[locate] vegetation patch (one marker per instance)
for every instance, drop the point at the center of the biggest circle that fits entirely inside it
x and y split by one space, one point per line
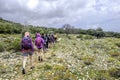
88 60
114 72
82 37
118 44
102 75
47 67
114 53
111 59
16 44
2 48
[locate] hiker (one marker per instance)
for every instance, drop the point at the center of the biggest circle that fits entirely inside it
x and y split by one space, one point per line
45 38
55 37
47 41
27 49
52 40
39 43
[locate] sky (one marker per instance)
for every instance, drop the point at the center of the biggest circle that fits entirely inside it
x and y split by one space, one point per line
85 14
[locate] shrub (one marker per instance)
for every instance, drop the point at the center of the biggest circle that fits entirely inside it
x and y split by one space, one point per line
114 72
114 53
85 36
88 37
111 59
88 60
16 44
79 36
102 75
2 47
118 44
69 37
59 68
47 67
3 36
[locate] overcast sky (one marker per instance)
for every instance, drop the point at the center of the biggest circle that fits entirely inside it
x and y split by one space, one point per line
54 13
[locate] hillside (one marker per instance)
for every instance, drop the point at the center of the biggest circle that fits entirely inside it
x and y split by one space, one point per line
70 59
9 27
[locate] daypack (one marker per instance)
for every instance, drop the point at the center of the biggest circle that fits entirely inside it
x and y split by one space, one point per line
46 39
52 38
38 40
26 43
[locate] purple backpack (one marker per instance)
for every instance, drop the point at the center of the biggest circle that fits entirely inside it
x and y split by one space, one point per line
26 43
38 40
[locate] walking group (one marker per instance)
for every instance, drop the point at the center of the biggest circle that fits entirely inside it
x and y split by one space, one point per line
39 46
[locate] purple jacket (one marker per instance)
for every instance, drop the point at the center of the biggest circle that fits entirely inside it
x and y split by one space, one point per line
42 41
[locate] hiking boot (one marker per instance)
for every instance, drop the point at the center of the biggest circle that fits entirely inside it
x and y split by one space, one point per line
32 67
23 71
41 59
38 58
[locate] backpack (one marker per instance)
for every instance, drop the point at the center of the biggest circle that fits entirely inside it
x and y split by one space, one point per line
38 41
26 43
46 39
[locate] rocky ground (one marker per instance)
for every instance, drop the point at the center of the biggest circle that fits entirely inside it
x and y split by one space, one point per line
70 59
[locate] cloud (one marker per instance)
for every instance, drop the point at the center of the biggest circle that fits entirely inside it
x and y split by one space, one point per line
54 13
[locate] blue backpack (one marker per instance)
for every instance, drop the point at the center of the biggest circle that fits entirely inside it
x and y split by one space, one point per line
26 43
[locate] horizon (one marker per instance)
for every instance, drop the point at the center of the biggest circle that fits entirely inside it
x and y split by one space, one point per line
89 14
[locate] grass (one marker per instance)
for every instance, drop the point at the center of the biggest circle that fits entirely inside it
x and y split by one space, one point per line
70 59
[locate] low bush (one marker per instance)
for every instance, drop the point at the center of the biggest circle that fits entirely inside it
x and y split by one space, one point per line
114 53
85 36
16 44
110 59
102 75
118 44
88 60
79 36
88 37
2 48
47 67
114 72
